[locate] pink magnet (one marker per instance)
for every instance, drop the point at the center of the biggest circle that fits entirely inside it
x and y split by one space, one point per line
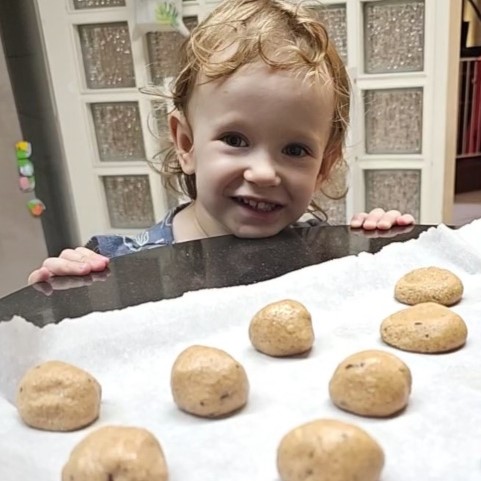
26 184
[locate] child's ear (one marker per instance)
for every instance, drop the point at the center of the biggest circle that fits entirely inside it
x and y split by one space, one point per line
181 135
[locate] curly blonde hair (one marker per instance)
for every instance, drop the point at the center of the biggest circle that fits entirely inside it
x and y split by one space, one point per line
285 36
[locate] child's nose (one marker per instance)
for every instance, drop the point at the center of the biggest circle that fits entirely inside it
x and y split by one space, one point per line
263 173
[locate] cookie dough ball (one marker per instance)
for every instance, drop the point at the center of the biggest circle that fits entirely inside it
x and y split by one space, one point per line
371 383
116 453
424 328
283 328
429 284
208 382
329 450
56 396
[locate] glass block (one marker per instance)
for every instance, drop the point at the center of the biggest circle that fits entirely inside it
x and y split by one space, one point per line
118 131
159 128
159 121
394 189
332 198
394 121
163 52
129 201
335 209
107 55
86 4
334 19
394 36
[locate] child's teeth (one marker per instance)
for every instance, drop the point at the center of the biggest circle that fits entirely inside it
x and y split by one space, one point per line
264 206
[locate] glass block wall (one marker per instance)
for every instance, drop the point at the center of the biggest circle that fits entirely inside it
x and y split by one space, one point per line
393 33
393 42
107 60
108 66
333 204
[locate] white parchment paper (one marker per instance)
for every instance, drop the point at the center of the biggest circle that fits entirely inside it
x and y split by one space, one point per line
131 351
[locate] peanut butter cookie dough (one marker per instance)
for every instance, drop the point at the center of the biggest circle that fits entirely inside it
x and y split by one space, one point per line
208 382
429 284
329 450
116 452
283 328
57 396
425 328
371 383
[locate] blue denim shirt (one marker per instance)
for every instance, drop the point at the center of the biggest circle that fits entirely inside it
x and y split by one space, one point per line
160 234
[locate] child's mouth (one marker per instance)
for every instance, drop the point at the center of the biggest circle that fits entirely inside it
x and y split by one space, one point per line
258 206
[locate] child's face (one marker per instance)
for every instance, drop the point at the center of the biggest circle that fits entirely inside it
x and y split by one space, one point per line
258 140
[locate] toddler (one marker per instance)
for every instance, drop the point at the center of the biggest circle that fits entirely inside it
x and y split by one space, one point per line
261 108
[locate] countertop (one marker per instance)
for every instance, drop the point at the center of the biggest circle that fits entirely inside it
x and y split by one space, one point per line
167 272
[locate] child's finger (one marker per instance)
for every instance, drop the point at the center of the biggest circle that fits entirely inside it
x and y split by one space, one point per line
39 275
358 220
394 217
83 255
64 267
371 222
90 254
405 219
98 262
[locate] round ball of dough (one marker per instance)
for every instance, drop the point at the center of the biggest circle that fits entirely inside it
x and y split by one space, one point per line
371 383
56 396
329 450
283 328
429 284
208 382
424 328
115 452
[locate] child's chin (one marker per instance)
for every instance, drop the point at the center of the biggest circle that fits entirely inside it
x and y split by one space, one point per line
257 233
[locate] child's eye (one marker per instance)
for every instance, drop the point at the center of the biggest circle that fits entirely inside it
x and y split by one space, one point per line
234 140
295 150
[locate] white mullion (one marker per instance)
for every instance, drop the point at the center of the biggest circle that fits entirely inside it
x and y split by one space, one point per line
391 158
122 95
128 168
383 163
355 193
192 9
139 52
108 15
158 192
397 81
141 61
357 23
429 195
102 210
356 150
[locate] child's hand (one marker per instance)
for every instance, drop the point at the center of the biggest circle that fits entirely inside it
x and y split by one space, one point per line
380 219
71 262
